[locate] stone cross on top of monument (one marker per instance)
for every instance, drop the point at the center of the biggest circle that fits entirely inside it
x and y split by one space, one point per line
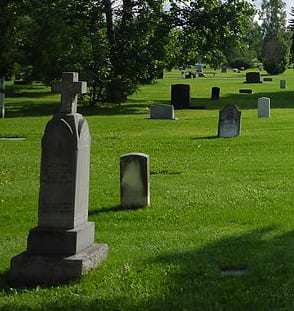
70 87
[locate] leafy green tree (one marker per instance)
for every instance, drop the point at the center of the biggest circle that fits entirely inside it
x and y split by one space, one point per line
291 28
8 20
207 27
276 47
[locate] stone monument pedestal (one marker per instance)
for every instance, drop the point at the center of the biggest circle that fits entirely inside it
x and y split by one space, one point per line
28 269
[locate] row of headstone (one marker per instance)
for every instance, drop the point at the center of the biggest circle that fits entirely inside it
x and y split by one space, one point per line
2 97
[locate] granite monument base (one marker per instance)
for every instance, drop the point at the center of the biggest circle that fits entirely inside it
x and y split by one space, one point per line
30 270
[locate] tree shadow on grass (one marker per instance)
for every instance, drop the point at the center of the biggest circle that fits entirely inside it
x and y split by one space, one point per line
197 279
282 99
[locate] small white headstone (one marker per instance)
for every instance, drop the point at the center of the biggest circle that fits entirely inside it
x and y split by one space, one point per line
162 112
264 107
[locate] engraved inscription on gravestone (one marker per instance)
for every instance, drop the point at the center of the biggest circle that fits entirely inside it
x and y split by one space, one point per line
229 122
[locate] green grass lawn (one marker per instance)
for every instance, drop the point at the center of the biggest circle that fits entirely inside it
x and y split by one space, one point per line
215 203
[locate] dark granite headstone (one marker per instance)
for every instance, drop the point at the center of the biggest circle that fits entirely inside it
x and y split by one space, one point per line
229 122
215 93
253 77
180 96
135 180
61 248
245 91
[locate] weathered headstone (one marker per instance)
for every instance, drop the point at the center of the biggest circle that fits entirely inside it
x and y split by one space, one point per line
253 77
264 107
135 180
162 112
2 97
229 122
283 84
246 91
61 248
180 96
215 93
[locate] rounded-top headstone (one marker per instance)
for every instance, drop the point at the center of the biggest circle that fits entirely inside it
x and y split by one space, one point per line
229 122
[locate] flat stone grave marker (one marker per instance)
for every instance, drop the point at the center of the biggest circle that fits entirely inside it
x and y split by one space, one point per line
267 79
181 96
215 93
11 138
283 84
2 97
161 111
253 77
264 107
61 248
246 91
134 180
229 122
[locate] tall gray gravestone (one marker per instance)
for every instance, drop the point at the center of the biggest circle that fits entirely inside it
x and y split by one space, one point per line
162 112
61 248
2 97
264 107
229 122
135 180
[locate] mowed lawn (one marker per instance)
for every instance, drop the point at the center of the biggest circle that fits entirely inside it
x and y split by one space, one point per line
216 204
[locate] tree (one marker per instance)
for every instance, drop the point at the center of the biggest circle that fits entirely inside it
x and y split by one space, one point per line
275 38
8 20
207 27
291 28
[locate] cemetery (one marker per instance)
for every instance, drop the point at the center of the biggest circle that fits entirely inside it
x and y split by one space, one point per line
215 218
147 156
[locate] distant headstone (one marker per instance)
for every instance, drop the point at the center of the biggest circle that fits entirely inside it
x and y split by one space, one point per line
253 77
229 122
266 79
2 97
189 75
245 91
264 107
162 112
61 248
180 96
215 93
283 84
224 69
199 68
135 180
